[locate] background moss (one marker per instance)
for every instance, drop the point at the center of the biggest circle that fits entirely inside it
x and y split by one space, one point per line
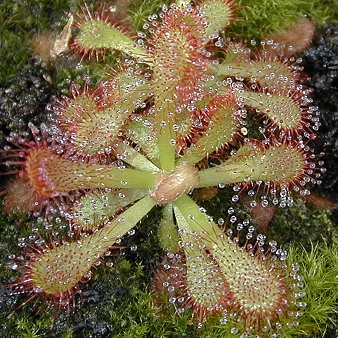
257 19
19 21
117 301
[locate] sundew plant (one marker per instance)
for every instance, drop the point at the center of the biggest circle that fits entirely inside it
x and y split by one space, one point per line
172 117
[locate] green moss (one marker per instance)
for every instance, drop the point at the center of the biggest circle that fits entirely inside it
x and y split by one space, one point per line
28 328
19 21
117 300
257 19
130 311
319 268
